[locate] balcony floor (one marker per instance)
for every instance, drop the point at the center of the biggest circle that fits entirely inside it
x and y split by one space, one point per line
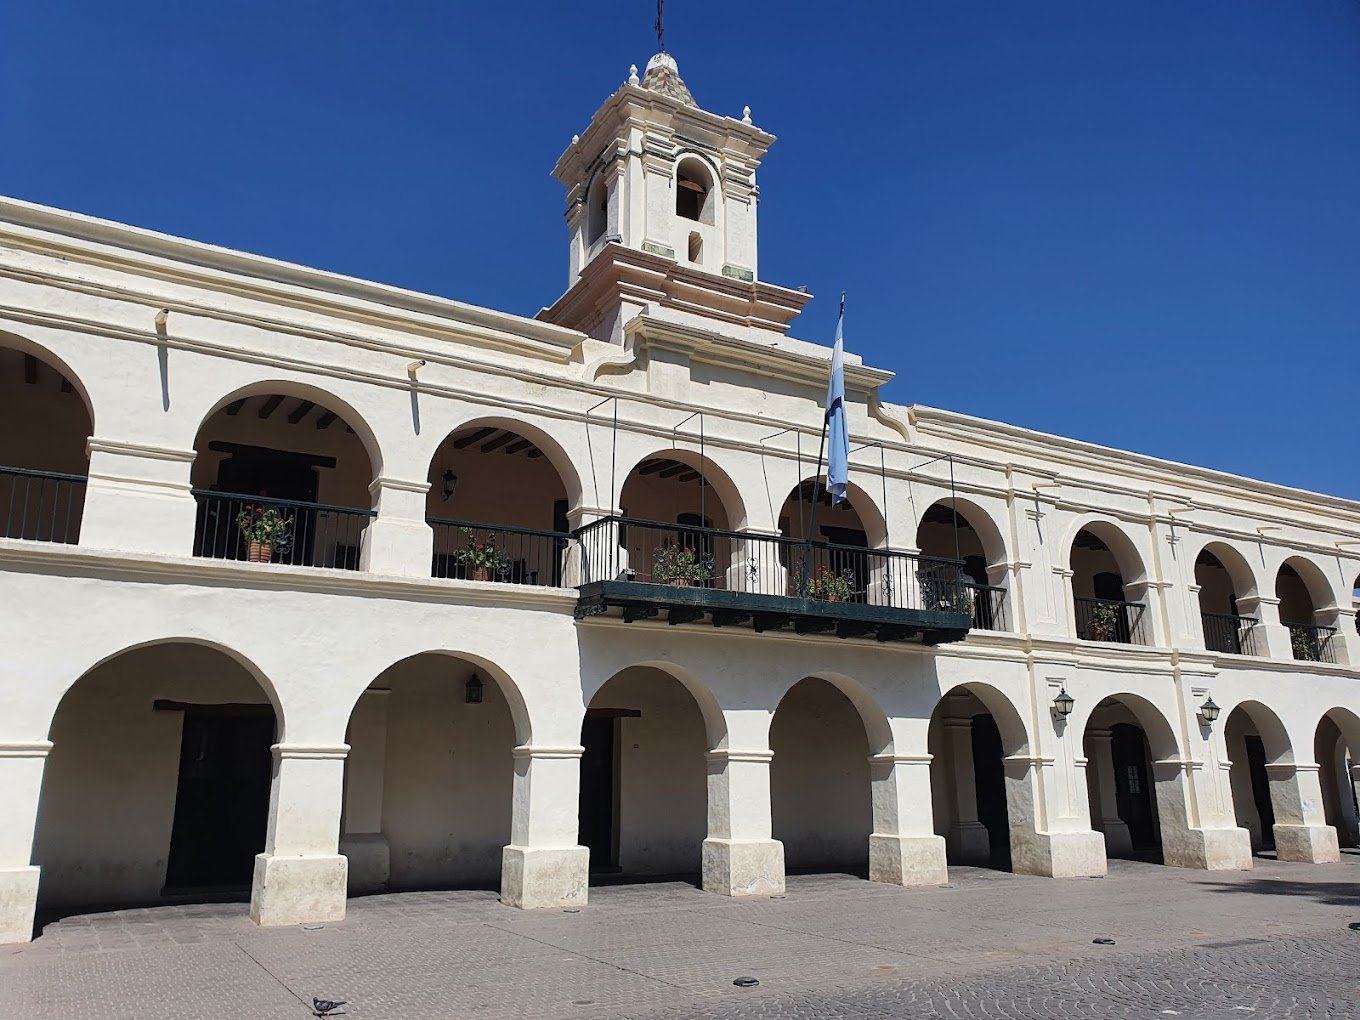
640 601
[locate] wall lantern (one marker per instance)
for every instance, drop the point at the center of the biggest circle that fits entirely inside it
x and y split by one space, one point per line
1062 704
449 481
473 695
1209 711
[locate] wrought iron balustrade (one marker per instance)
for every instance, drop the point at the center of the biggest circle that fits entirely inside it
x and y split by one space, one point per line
1110 620
989 607
686 556
1228 633
1310 643
474 550
317 535
43 506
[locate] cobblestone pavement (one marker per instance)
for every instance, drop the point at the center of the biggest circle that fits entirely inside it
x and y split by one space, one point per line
1269 943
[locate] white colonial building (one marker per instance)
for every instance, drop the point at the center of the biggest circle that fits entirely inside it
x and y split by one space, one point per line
561 597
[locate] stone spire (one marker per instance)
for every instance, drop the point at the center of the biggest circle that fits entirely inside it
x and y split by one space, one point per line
663 76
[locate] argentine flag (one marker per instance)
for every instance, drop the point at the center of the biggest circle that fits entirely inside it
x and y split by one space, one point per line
837 429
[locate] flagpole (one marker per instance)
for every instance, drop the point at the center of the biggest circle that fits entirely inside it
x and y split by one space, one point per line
817 483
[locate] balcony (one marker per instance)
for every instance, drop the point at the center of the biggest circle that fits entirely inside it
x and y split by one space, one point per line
1110 620
41 506
644 569
989 606
1230 634
1311 644
474 551
306 535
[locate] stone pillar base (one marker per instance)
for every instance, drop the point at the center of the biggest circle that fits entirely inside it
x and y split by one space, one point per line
1307 844
370 863
908 860
1117 839
1209 849
742 867
1058 854
18 901
298 890
533 878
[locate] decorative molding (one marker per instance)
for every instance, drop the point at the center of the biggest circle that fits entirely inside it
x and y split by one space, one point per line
97 444
889 758
738 273
547 752
757 756
25 748
400 484
310 752
665 251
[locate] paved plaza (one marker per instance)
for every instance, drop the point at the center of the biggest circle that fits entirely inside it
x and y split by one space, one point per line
1273 942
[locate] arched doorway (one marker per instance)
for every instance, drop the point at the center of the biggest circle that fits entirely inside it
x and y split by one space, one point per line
1227 600
1256 741
1108 586
157 786
45 426
1339 774
968 781
644 793
1124 739
820 780
429 777
280 475
499 506
1303 593
959 530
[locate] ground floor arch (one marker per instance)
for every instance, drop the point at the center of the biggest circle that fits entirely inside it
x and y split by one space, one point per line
968 781
1339 774
429 777
820 802
157 786
644 796
1122 783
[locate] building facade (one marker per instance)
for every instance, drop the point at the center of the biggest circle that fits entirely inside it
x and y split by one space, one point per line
317 587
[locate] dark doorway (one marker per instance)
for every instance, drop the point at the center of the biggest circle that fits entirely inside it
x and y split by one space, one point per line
989 774
1260 790
279 475
222 801
1133 790
596 809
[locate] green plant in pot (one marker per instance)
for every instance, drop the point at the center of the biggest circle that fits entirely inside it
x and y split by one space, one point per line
681 566
1104 625
829 585
482 561
264 529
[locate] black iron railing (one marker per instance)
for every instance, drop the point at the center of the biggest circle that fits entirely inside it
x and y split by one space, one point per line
627 549
1225 632
477 551
1310 643
1110 620
43 506
316 535
989 607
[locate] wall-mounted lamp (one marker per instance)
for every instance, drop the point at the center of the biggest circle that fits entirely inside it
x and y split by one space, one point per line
473 693
1062 704
448 481
1209 711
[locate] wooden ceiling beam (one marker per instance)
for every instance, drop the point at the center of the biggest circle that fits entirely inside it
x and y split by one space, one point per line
674 470
651 467
304 408
271 405
472 437
324 422
496 442
519 445
234 408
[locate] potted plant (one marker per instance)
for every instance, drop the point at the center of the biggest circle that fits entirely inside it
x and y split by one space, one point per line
481 560
1104 625
829 585
681 566
1300 642
954 597
264 529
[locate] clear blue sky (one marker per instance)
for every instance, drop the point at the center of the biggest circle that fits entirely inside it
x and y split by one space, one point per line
1135 222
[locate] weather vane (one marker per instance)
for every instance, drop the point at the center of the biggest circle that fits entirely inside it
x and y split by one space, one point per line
661 25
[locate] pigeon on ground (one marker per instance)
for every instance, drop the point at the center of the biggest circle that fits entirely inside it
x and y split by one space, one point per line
325 1006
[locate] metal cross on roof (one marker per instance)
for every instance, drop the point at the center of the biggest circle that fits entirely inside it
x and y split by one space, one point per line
661 26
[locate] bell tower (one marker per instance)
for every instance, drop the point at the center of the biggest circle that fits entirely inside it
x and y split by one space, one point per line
661 214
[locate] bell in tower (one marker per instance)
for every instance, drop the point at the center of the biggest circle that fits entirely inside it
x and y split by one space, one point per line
661 215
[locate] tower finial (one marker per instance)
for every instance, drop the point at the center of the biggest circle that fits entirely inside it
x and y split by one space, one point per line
661 26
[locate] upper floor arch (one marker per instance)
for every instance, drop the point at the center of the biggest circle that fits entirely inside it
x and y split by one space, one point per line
1109 582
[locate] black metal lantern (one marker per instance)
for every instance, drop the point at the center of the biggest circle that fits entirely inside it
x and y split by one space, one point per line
448 483
1209 711
1062 704
473 694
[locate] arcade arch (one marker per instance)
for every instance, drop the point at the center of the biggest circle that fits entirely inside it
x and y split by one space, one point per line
958 529
1109 582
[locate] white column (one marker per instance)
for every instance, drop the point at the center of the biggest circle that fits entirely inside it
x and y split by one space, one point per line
138 499
1269 638
904 849
543 865
968 839
1301 830
1212 843
362 841
398 541
21 775
740 856
301 876
1105 812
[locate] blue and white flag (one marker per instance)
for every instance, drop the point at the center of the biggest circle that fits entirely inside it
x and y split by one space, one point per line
837 429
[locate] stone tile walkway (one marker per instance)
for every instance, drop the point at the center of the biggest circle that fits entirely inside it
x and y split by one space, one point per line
1269 943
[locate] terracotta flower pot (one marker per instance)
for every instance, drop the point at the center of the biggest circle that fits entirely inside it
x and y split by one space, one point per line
481 574
680 582
259 552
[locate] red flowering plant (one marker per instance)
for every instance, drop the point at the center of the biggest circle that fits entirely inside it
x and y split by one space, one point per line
478 555
264 524
830 585
681 563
